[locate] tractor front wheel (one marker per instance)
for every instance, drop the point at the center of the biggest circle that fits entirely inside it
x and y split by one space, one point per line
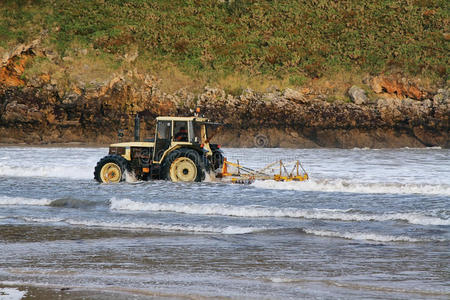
111 168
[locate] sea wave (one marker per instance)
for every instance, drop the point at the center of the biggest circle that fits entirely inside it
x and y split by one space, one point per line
260 211
363 236
47 171
142 225
231 230
358 286
73 203
339 185
61 202
248 211
5 200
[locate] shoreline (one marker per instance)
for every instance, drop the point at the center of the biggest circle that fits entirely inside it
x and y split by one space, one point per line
253 137
55 145
98 146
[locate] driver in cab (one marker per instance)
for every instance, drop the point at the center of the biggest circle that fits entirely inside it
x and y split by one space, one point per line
181 135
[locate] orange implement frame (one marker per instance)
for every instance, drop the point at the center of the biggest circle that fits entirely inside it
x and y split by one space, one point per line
248 175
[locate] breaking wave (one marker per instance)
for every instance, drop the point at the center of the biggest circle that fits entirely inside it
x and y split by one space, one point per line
259 211
73 203
363 236
47 171
249 211
5 200
141 225
231 230
62 202
339 185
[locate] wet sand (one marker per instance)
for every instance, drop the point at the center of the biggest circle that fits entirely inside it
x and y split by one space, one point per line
15 292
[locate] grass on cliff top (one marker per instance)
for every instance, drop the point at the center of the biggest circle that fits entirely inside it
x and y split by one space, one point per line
241 42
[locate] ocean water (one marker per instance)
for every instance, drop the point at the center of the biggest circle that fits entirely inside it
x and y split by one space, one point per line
368 224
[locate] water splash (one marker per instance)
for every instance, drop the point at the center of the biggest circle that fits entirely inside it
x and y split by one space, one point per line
339 185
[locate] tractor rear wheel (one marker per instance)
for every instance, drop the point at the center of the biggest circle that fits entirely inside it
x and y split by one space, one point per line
183 165
217 160
111 168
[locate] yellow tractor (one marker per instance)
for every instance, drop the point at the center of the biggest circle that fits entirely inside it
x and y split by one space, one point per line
180 151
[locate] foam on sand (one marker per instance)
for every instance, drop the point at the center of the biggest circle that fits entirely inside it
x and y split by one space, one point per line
7 293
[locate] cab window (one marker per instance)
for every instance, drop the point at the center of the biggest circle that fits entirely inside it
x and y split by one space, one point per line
164 130
198 132
180 131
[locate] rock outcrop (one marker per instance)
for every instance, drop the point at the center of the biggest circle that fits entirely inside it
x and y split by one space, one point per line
39 111
398 87
357 95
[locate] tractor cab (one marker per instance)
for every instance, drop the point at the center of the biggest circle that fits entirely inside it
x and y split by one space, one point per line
178 132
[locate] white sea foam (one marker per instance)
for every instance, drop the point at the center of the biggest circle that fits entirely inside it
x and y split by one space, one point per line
47 171
5 200
415 218
210 177
259 211
286 280
11 294
339 185
43 220
166 227
363 236
240 230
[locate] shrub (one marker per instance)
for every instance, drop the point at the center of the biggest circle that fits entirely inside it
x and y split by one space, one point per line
278 39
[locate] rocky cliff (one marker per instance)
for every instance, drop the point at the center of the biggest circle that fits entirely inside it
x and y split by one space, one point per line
392 112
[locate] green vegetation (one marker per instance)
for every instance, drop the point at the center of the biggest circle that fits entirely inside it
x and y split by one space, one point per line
210 40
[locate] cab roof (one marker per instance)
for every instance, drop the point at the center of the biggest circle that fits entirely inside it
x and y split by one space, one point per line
198 119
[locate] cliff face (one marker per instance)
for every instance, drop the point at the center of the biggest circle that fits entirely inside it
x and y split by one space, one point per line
399 112
290 119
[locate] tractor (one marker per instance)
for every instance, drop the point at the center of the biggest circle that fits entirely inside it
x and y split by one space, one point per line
180 151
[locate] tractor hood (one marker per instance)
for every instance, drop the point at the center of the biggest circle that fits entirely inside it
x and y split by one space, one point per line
134 144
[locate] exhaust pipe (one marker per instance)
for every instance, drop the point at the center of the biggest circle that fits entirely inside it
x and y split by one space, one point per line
137 128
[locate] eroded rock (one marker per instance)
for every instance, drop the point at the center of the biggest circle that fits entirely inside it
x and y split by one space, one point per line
397 87
357 95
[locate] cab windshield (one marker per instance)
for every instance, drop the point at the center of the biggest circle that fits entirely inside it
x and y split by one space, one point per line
196 132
